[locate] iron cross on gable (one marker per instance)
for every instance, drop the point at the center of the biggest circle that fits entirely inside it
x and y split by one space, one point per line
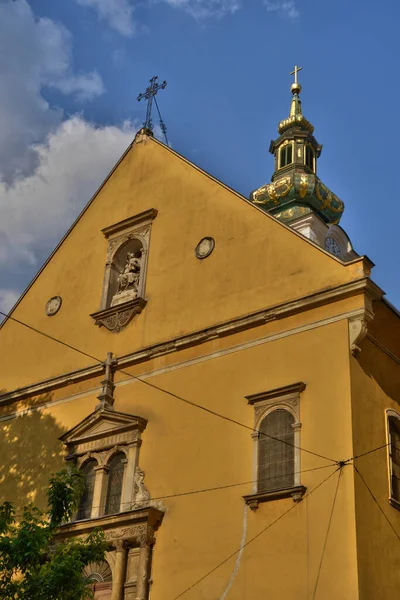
148 95
295 73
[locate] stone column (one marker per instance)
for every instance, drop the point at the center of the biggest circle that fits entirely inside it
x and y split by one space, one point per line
100 490
119 574
145 541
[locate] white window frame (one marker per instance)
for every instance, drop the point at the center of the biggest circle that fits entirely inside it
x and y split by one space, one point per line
390 413
285 398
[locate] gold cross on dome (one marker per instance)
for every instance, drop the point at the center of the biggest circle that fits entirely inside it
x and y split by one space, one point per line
295 73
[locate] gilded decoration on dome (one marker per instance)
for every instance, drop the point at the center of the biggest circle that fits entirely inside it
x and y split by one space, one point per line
303 187
327 198
273 191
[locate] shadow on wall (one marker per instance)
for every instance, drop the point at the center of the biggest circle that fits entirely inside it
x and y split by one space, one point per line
30 452
382 369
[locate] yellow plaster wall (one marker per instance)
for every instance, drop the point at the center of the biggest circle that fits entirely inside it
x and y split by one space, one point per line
375 385
256 263
185 449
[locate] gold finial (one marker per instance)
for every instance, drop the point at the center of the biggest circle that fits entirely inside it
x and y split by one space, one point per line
296 87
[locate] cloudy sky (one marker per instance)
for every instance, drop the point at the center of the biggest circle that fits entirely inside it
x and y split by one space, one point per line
70 72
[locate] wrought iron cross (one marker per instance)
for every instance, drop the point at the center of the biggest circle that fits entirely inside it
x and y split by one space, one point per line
295 73
148 95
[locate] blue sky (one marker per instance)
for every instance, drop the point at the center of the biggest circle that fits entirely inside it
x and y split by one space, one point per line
71 71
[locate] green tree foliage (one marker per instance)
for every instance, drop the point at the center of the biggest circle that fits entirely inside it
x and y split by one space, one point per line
34 564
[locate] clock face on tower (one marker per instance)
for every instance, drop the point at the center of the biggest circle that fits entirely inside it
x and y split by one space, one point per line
332 246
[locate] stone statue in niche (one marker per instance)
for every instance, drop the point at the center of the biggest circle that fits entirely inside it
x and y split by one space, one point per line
142 495
128 280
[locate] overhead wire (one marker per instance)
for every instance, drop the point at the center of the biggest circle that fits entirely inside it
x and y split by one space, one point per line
327 533
377 503
215 488
172 394
251 540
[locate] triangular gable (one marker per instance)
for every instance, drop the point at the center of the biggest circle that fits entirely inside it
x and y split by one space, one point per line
101 423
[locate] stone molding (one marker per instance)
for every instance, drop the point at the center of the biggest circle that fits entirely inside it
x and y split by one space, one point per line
143 218
115 318
277 312
132 527
296 492
294 388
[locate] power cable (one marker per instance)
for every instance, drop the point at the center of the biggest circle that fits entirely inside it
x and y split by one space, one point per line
214 489
172 394
327 534
377 503
255 537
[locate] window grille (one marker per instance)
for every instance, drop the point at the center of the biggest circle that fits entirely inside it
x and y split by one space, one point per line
114 487
394 447
85 505
276 458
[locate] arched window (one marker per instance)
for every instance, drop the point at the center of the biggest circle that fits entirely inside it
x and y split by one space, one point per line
286 155
309 157
85 505
276 451
394 455
114 487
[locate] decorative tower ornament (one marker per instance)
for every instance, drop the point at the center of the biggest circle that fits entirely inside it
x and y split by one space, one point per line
150 95
295 190
106 396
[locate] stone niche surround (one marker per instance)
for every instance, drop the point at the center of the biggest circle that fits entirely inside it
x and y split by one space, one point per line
123 292
130 531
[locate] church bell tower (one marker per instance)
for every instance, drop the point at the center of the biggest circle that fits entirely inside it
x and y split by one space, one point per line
296 196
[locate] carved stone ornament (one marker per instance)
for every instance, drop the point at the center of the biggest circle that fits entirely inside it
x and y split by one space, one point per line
205 247
357 332
53 305
142 495
117 317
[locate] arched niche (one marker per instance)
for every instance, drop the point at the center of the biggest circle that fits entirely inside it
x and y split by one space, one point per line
126 273
124 283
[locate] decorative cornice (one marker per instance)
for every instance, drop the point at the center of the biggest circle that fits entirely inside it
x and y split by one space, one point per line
117 317
294 388
132 526
259 318
142 218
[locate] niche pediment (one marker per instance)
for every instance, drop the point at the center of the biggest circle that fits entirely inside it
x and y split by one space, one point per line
102 429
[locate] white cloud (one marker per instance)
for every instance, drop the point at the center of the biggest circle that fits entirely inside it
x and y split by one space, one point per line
7 300
286 7
206 8
37 210
34 54
118 13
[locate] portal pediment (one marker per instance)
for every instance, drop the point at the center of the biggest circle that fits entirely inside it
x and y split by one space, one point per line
101 429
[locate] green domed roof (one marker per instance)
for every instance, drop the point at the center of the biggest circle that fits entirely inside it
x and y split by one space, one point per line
295 189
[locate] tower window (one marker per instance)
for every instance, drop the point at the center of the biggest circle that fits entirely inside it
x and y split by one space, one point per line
309 157
286 156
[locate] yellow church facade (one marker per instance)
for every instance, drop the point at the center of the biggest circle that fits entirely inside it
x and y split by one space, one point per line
229 385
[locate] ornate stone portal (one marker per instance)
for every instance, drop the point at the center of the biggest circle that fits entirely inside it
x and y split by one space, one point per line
131 537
